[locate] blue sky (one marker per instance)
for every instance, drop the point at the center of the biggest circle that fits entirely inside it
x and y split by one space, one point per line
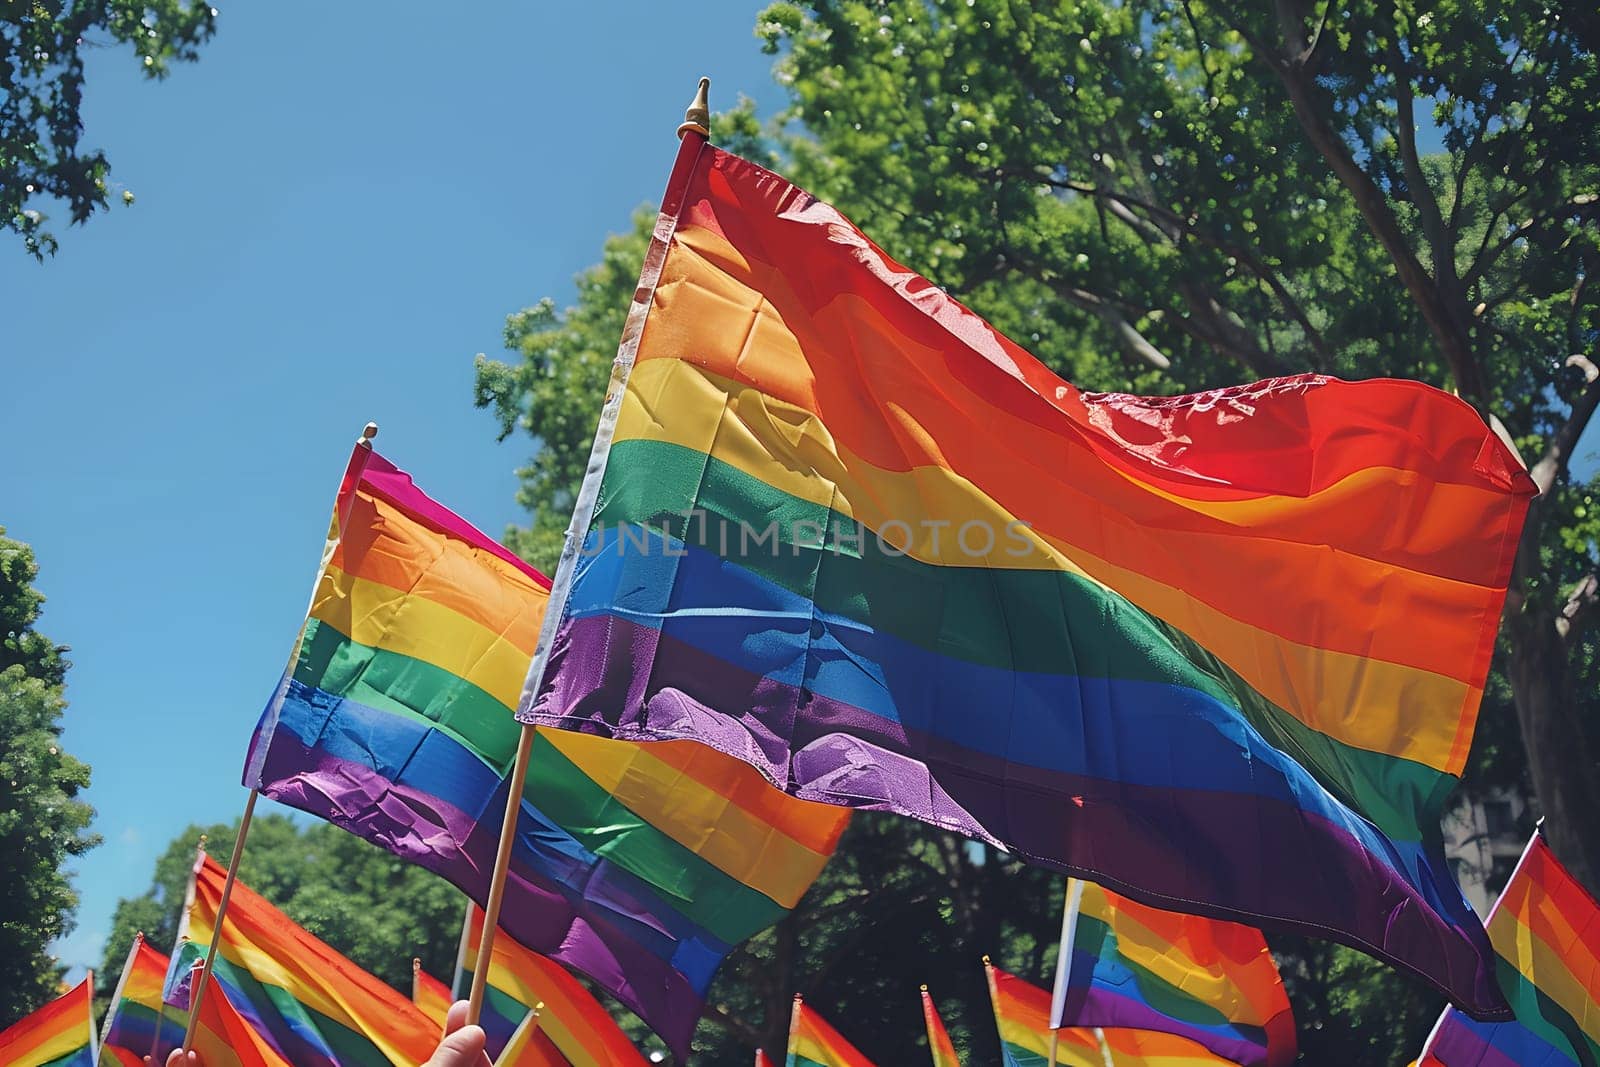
336 208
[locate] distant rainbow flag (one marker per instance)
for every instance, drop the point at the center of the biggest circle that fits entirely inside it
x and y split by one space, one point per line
314 1007
939 1044
139 1024
1210 981
1546 931
1022 1015
641 866
813 1043
839 527
571 1020
530 1046
60 1034
431 996
761 1059
224 1038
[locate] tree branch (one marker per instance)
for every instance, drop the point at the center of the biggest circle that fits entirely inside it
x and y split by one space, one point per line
1579 608
1448 325
1559 451
1433 224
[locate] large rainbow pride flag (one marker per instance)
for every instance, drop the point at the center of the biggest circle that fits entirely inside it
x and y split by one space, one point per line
940 1048
139 1024
814 1043
1546 932
640 866
1210 981
314 1007
60 1034
577 1028
1223 652
1022 1015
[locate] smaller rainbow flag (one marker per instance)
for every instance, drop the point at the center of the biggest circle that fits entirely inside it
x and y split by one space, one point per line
312 1005
813 1043
1545 930
530 1046
761 1059
1022 1014
571 1020
222 1037
939 1046
140 1024
1134 966
60 1034
431 996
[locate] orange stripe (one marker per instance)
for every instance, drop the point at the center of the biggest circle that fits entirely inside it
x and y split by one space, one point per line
813 825
732 331
52 1031
814 1039
384 545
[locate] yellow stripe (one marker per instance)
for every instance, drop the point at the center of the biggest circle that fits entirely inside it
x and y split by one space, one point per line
1542 964
56 1046
704 821
381 617
1211 983
1332 692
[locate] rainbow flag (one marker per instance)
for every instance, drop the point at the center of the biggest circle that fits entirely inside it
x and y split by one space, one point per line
530 1046
813 1043
312 1005
571 1019
939 1046
1022 1015
60 1034
223 1038
431 996
761 1059
641 866
139 1024
1546 932
1210 981
1223 649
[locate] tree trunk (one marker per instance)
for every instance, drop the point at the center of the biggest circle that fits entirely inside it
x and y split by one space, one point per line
1542 681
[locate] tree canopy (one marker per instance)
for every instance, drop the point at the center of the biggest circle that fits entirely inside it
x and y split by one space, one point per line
43 44
42 823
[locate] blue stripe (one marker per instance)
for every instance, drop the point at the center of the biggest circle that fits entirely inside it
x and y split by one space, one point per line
1107 728
1460 1037
409 753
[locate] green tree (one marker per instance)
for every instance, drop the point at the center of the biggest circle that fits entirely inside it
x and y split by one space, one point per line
42 49
42 823
370 905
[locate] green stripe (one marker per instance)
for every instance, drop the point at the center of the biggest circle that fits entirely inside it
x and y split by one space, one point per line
388 681
1535 1011
505 1005
400 685
1096 938
1020 1055
1009 619
715 900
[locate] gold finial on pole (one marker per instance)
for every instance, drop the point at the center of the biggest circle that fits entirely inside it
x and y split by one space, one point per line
698 115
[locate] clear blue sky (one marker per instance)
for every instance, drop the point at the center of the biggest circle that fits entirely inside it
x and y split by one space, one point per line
336 208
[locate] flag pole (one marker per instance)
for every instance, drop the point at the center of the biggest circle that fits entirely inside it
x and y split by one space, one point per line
461 952
122 984
222 912
1105 1047
794 1027
697 121
360 455
1069 929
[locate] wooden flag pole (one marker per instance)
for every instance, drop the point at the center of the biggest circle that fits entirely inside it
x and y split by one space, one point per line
1069 929
222 913
1105 1047
360 455
697 120
497 881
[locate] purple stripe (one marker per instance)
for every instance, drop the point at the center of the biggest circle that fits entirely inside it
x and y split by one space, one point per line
438 837
1102 1007
1268 860
1459 1046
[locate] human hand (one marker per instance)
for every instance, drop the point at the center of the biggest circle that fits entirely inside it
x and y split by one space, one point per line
462 1045
180 1058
